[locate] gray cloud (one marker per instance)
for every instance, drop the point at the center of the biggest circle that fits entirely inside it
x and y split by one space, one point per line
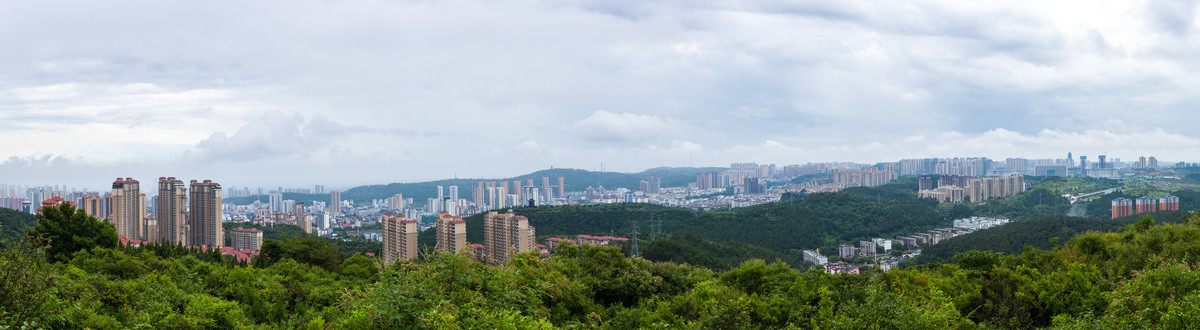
352 91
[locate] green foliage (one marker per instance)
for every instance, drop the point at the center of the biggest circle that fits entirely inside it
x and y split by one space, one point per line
24 282
14 225
68 230
685 247
309 250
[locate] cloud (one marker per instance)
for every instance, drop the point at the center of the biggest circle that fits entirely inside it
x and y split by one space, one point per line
376 89
627 128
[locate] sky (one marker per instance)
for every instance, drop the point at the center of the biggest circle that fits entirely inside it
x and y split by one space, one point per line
342 93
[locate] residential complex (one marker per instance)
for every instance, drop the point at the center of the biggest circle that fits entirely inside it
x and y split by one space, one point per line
399 238
505 234
246 239
204 223
171 211
1123 207
451 233
128 208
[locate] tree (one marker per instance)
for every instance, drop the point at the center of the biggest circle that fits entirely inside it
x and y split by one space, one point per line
25 281
67 230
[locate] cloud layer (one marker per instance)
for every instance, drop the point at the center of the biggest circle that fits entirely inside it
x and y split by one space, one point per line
275 92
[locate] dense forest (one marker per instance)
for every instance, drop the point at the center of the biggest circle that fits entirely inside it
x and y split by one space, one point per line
1140 276
575 179
821 220
13 224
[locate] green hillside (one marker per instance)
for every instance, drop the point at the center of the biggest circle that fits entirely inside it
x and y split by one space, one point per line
1040 233
818 221
13 225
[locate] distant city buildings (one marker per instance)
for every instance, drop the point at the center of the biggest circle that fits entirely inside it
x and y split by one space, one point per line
979 223
863 178
1123 207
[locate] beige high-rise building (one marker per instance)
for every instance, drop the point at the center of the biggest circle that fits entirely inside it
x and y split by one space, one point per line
335 203
91 205
506 234
204 224
396 202
451 233
399 238
170 211
151 225
246 239
128 208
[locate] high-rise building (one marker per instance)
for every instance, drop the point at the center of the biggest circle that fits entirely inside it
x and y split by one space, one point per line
547 195
335 206
128 208
1168 203
276 201
396 202
451 233
706 180
91 205
246 239
1144 204
170 210
562 188
863 178
1153 163
399 238
150 223
1102 164
925 183
505 234
205 218
651 185
1122 207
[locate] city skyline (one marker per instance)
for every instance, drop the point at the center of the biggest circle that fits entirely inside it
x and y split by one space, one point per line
405 92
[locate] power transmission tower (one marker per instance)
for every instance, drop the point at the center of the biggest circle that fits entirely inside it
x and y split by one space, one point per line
634 247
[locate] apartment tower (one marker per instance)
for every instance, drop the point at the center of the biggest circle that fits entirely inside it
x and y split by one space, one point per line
505 234
399 238
335 206
451 233
128 208
171 211
205 223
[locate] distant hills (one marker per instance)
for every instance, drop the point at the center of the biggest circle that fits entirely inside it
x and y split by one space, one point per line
13 225
575 180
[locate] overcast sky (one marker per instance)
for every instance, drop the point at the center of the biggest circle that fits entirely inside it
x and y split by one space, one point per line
352 92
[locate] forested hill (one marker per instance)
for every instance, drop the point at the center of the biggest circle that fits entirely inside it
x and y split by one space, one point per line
13 225
821 220
575 180
1042 233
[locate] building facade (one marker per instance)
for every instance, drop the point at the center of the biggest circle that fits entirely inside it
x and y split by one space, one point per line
246 239
399 238
128 208
505 234
204 223
170 209
451 233
1122 207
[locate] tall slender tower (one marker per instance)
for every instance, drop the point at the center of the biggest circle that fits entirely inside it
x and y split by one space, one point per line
126 201
205 223
562 188
335 206
170 211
